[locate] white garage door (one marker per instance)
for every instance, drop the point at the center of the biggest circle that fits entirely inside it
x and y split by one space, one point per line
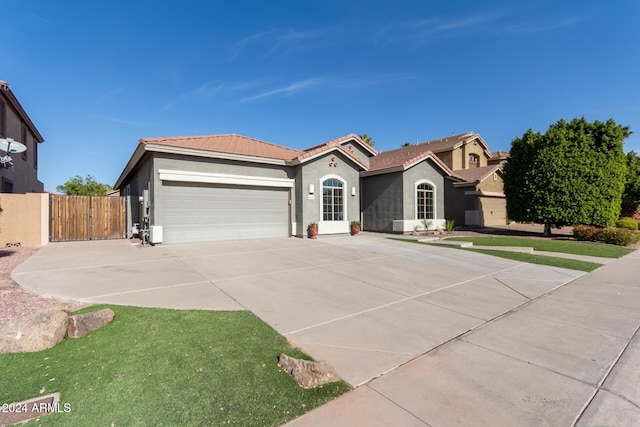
208 212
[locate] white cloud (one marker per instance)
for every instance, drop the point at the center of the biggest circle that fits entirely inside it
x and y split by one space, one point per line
287 90
208 90
281 41
418 32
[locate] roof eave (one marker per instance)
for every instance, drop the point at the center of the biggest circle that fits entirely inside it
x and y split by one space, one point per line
131 164
21 112
299 161
382 171
465 184
435 160
143 148
404 167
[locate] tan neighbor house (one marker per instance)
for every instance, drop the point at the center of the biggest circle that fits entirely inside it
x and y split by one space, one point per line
474 192
16 124
476 197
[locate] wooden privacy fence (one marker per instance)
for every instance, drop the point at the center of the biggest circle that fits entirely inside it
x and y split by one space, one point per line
86 218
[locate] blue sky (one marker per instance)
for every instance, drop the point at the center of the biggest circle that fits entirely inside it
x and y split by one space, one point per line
96 76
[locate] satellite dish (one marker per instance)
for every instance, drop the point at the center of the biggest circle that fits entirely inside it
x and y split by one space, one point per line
12 146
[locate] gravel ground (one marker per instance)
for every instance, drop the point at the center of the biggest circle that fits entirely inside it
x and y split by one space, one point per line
14 301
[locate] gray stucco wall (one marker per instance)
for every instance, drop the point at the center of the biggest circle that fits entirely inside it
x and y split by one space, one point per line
311 173
382 201
456 202
24 173
426 170
360 153
392 196
139 180
297 205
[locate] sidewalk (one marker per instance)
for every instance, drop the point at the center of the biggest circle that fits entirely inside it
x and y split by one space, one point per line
567 358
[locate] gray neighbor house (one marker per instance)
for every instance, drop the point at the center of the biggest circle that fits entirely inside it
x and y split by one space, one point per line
16 124
229 187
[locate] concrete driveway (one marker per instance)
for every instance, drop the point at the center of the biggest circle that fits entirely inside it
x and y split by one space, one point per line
463 337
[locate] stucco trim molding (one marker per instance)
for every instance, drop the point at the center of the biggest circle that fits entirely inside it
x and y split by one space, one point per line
221 178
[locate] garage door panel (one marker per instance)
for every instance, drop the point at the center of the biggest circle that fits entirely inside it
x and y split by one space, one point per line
494 211
201 212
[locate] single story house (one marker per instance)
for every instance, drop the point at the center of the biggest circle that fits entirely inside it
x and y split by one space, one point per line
227 187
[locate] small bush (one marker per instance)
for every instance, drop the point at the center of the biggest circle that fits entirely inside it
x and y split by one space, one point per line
449 225
628 223
585 232
618 236
610 235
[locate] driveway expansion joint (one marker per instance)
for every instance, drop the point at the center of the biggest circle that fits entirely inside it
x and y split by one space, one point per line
604 378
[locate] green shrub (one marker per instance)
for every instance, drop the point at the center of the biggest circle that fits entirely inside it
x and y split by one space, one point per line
610 235
449 225
628 223
585 232
618 236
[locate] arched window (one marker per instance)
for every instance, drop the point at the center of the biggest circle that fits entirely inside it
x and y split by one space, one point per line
424 201
474 161
332 200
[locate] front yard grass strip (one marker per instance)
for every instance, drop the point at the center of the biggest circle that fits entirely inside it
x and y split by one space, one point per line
572 264
547 245
166 367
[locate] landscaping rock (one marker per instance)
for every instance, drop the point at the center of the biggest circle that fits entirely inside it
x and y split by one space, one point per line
36 332
81 324
306 373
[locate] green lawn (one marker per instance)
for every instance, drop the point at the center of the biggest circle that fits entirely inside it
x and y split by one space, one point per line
166 367
563 246
572 264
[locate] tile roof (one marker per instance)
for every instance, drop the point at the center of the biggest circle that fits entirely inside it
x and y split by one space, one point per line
229 144
450 142
400 156
404 158
500 154
476 174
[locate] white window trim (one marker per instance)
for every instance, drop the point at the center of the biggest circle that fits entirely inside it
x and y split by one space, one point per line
333 227
415 200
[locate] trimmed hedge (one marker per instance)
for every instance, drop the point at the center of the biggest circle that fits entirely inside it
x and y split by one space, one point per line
610 235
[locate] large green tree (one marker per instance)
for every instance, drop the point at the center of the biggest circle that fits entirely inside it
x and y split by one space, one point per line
78 186
574 173
632 186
